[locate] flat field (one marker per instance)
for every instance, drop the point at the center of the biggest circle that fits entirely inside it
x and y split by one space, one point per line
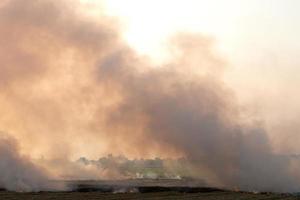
141 189
221 195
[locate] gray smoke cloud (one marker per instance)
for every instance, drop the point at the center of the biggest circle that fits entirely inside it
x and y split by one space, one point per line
70 86
198 115
19 173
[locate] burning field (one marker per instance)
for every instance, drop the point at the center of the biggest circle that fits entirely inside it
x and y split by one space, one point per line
158 195
72 91
142 189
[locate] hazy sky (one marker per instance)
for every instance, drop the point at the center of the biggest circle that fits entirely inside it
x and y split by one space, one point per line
258 37
235 24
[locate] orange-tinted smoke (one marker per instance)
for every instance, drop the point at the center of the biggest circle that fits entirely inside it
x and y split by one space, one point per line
70 87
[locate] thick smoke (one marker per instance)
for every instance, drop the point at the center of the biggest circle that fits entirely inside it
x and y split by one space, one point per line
18 173
70 86
197 115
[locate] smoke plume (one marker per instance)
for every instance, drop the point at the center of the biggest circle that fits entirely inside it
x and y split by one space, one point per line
71 87
18 173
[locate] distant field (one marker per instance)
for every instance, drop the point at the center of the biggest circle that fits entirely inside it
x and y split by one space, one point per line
158 195
141 189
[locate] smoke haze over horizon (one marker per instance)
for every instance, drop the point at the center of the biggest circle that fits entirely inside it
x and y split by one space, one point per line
70 87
